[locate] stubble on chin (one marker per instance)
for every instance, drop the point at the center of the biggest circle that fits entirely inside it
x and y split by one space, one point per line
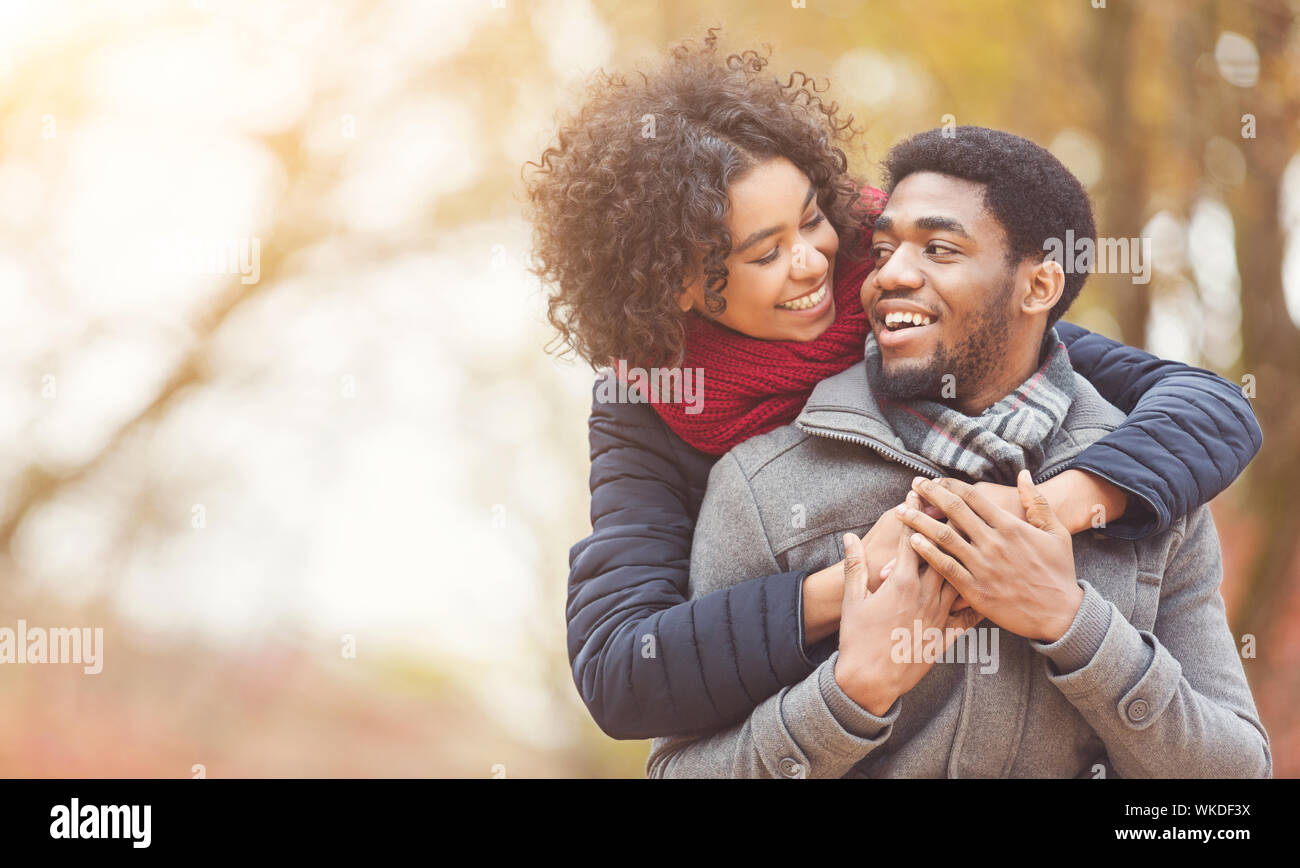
969 365
903 380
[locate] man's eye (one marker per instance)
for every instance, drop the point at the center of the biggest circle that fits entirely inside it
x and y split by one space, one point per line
939 249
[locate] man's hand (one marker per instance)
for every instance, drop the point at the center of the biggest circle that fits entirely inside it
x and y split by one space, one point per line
1018 573
869 621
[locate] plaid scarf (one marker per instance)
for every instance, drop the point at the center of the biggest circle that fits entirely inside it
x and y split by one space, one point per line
995 445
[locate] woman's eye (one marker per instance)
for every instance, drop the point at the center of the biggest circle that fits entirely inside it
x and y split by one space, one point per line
879 252
771 257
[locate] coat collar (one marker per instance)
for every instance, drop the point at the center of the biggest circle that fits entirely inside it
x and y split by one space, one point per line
843 407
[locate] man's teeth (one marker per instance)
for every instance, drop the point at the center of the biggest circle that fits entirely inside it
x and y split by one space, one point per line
811 300
907 318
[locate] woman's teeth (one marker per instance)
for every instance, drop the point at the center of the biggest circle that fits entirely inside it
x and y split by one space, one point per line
894 320
812 299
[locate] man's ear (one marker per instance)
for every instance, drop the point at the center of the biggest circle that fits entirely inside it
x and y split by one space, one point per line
1046 283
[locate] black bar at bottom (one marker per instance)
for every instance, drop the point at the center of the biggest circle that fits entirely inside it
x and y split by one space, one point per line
329 816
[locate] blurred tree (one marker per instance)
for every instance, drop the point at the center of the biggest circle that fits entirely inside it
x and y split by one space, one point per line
1123 192
1270 339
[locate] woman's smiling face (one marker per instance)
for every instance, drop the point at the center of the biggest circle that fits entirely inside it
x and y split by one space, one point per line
781 270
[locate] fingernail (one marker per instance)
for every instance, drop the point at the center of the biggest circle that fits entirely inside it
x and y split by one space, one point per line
918 481
901 509
917 539
850 540
913 500
887 569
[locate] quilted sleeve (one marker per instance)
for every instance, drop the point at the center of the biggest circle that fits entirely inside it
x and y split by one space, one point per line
646 660
1188 435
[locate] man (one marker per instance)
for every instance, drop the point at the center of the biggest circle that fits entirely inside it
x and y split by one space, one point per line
1108 657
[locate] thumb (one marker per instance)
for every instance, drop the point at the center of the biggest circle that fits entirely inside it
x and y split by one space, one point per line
855 568
1037 510
906 560
962 621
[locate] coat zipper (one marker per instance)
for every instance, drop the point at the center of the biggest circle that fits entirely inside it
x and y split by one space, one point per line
909 463
878 447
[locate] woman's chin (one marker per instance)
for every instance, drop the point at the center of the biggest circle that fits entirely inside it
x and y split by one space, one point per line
814 328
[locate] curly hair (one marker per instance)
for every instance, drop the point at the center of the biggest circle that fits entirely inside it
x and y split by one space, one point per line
1026 189
632 199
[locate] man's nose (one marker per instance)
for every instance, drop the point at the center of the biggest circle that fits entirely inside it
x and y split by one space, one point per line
899 271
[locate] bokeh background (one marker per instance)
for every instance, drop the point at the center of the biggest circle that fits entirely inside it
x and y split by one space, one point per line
276 410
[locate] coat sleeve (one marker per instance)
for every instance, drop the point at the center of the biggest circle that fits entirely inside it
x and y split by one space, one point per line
1173 701
809 730
1188 435
646 660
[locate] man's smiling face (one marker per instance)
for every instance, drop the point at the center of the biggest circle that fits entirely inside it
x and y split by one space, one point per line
941 298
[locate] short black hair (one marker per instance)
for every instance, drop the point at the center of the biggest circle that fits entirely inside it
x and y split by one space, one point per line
1027 189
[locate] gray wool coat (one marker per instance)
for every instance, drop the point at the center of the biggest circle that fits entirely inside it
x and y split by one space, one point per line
1147 681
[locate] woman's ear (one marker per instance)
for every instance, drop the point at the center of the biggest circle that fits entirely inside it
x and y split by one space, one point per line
692 287
689 295
1046 283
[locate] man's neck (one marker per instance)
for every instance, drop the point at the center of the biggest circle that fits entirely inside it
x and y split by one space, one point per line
1021 366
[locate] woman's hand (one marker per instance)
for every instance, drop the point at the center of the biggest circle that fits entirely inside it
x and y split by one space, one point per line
1019 573
870 624
823 591
1080 500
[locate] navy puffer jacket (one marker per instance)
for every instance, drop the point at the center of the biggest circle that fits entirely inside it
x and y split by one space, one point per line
650 662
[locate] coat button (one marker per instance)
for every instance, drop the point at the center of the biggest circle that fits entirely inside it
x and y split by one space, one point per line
791 769
1137 710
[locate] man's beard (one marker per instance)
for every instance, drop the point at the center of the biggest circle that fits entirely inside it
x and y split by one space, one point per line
968 365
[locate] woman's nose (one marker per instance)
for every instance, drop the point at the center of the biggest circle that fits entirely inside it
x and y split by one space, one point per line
808 260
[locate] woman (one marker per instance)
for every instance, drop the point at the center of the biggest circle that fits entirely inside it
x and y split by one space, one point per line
652 226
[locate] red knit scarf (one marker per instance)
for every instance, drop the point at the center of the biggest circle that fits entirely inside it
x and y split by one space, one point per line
751 386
